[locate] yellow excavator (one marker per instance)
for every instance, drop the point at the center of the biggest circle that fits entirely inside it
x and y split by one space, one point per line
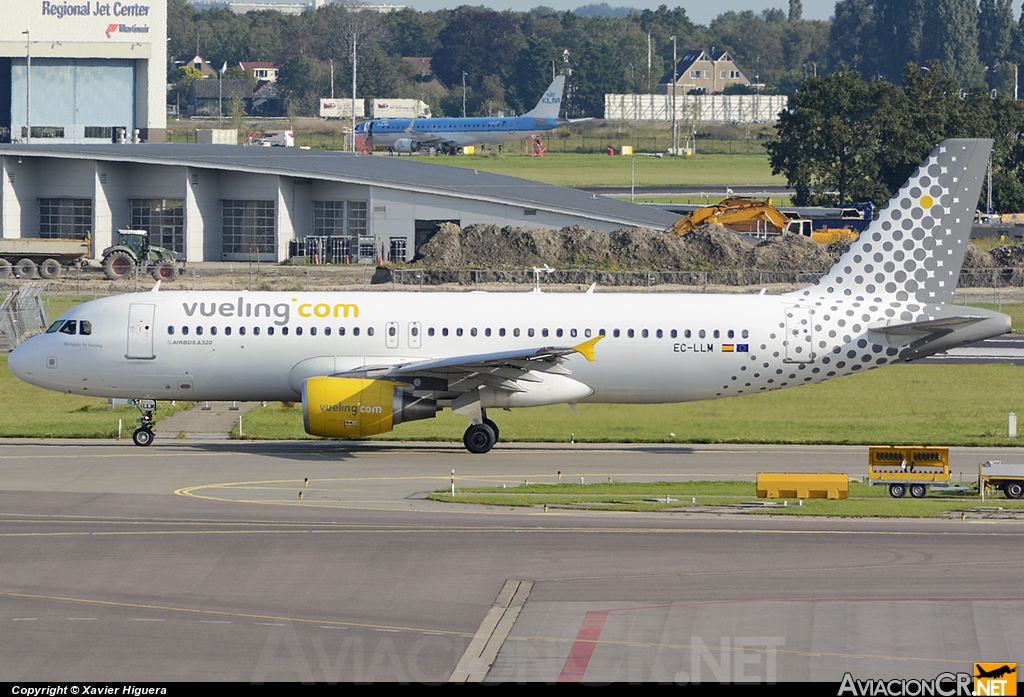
757 217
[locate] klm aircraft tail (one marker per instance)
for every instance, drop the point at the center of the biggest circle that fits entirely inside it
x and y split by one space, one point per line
914 249
551 103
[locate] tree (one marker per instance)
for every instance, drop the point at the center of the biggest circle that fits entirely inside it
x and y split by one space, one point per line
851 39
796 10
479 42
951 36
829 138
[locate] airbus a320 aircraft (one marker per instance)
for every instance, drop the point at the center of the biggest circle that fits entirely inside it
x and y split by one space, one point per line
363 363
411 135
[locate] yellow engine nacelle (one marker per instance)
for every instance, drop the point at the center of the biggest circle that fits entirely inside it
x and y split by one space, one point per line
356 407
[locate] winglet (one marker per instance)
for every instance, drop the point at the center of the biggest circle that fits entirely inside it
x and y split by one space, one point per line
586 349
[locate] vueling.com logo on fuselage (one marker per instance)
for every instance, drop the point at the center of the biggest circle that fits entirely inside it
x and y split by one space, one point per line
280 311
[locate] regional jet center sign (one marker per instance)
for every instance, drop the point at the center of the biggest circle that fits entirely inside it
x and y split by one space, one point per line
88 20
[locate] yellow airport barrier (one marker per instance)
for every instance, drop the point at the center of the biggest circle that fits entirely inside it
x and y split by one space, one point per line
468 149
627 149
775 485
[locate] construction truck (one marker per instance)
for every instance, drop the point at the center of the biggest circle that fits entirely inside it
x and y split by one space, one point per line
997 475
133 253
759 218
913 468
27 257
822 235
738 214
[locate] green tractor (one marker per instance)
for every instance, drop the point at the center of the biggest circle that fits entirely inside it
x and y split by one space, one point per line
132 252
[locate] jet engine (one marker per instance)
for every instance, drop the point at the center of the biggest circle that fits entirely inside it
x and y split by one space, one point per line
357 407
406 145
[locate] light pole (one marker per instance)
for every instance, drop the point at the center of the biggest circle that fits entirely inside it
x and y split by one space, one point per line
675 141
353 131
28 86
463 94
632 170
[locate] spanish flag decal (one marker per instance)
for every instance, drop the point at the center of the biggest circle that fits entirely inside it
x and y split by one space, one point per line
728 348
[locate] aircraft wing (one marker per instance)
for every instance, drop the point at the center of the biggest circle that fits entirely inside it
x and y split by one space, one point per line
501 370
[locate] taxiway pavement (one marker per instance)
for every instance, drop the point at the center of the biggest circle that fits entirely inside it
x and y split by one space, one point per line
198 561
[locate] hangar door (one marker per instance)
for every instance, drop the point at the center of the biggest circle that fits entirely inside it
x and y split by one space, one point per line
79 100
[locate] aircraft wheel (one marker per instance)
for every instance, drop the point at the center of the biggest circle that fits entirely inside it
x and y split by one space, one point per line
118 265
49 269
897 491
142 437
1014 490
494 427
26 268
479 438
5 268
918 491
165 271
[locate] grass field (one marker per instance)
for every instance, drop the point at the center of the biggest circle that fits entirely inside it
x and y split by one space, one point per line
573 169
950 405
863 501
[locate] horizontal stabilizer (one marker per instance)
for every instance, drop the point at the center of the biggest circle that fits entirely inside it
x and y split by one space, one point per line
906 332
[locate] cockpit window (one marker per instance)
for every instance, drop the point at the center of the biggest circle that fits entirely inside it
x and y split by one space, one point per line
69 327
85 327
55 326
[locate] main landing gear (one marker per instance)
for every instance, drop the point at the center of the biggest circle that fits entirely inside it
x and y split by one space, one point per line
143 435
481 437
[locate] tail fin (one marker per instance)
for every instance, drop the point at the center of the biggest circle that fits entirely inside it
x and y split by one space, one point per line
551 103
914 250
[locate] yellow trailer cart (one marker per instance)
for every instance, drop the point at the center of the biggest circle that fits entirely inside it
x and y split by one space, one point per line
913 468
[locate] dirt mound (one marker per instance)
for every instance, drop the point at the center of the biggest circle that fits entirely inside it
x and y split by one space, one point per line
706 247
791 253
977 258
718 247
1011 255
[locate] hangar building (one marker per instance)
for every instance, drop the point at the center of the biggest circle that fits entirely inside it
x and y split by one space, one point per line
228 202
98 70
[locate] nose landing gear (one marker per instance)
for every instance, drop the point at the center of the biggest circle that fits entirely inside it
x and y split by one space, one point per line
143 435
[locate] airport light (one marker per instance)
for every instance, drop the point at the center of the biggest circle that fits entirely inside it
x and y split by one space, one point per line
463 94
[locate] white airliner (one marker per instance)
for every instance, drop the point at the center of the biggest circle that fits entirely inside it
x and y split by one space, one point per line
362 363
412 135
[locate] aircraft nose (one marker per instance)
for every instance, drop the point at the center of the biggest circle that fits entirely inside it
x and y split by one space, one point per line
20 362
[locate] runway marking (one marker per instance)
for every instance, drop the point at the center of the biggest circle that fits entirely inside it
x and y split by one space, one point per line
441 632
588 637
220 613
24 619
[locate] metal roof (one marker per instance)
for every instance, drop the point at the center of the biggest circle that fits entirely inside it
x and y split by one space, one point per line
400 173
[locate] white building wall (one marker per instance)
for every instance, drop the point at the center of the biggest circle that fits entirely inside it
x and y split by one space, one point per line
714 108
202 215
19 208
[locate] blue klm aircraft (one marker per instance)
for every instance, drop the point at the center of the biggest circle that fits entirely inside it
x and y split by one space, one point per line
446 134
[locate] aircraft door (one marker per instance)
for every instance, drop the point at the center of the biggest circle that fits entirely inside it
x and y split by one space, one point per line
391 335
799 335
140 331
415 335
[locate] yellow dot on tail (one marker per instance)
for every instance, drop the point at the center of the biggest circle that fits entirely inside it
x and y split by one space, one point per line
926 202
